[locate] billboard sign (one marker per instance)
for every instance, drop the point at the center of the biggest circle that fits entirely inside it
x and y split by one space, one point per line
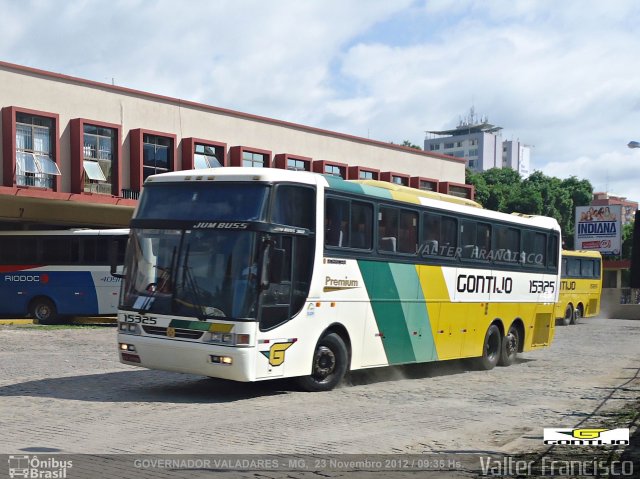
599 228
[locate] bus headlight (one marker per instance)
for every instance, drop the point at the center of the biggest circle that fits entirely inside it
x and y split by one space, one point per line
129 328
230 339
228 360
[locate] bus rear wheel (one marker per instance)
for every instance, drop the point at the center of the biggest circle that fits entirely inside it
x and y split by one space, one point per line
568 316
510 346
43 310
329 365
491 349
577 315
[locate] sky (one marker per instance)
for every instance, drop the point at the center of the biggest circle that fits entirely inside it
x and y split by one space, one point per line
562 76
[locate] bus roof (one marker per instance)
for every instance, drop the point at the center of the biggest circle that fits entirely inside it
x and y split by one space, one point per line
582 253
414 192
69 232
372 188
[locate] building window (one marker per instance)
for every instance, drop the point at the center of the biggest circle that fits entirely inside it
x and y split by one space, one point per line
366 175
253 160
448 145
205 156
97 160
333 170
35 164
458 144
473 152
459 191
457 154
472 163
398 180
473 142
427 185
434 146
157 154
296 165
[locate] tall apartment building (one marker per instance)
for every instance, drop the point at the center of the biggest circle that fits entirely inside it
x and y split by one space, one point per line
517 156
480 144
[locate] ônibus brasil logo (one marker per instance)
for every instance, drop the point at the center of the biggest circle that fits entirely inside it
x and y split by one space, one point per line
586 436
38 467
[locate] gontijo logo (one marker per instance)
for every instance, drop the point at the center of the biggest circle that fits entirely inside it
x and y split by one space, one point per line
586 437
275 354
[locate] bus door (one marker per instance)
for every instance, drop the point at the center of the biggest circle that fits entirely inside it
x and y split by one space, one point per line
284 277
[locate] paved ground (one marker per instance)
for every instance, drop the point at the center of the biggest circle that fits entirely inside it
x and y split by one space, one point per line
62 390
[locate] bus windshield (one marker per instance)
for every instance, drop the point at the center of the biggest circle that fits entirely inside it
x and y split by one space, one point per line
199 201
202 273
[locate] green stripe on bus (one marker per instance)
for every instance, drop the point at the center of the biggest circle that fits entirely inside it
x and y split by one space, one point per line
415 311
388 311
357 188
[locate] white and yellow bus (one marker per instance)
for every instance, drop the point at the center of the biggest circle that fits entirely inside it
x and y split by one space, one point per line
252 274
580 286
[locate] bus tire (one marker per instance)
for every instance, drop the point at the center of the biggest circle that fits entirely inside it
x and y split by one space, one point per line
510 346
577 315
329 366
568 316
491 349
43 310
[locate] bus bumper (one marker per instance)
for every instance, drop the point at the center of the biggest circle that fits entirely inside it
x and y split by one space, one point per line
188 357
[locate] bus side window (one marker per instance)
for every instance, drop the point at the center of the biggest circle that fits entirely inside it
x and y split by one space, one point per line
295 206
552 255
408 233
468 237
430 234
336 217
122 248
361 225
586 268
534 248
449 237
388 229
573 267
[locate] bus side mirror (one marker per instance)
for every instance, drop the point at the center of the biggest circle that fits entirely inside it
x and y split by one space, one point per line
113 258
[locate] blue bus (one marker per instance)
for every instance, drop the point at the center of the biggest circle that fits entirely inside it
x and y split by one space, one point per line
52 275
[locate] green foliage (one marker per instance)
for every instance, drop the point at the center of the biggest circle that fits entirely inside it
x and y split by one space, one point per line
411 145
502 189
627 240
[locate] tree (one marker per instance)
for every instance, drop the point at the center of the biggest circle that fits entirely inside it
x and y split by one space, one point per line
627 240
502 189
408 144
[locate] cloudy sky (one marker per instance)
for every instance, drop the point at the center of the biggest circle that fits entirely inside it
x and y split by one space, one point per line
562 76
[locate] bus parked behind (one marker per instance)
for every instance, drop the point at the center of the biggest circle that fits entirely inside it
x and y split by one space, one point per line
51 275
580 286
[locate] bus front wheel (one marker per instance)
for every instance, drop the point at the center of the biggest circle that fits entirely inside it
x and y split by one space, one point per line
43 310
329 365
568 316
491 349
